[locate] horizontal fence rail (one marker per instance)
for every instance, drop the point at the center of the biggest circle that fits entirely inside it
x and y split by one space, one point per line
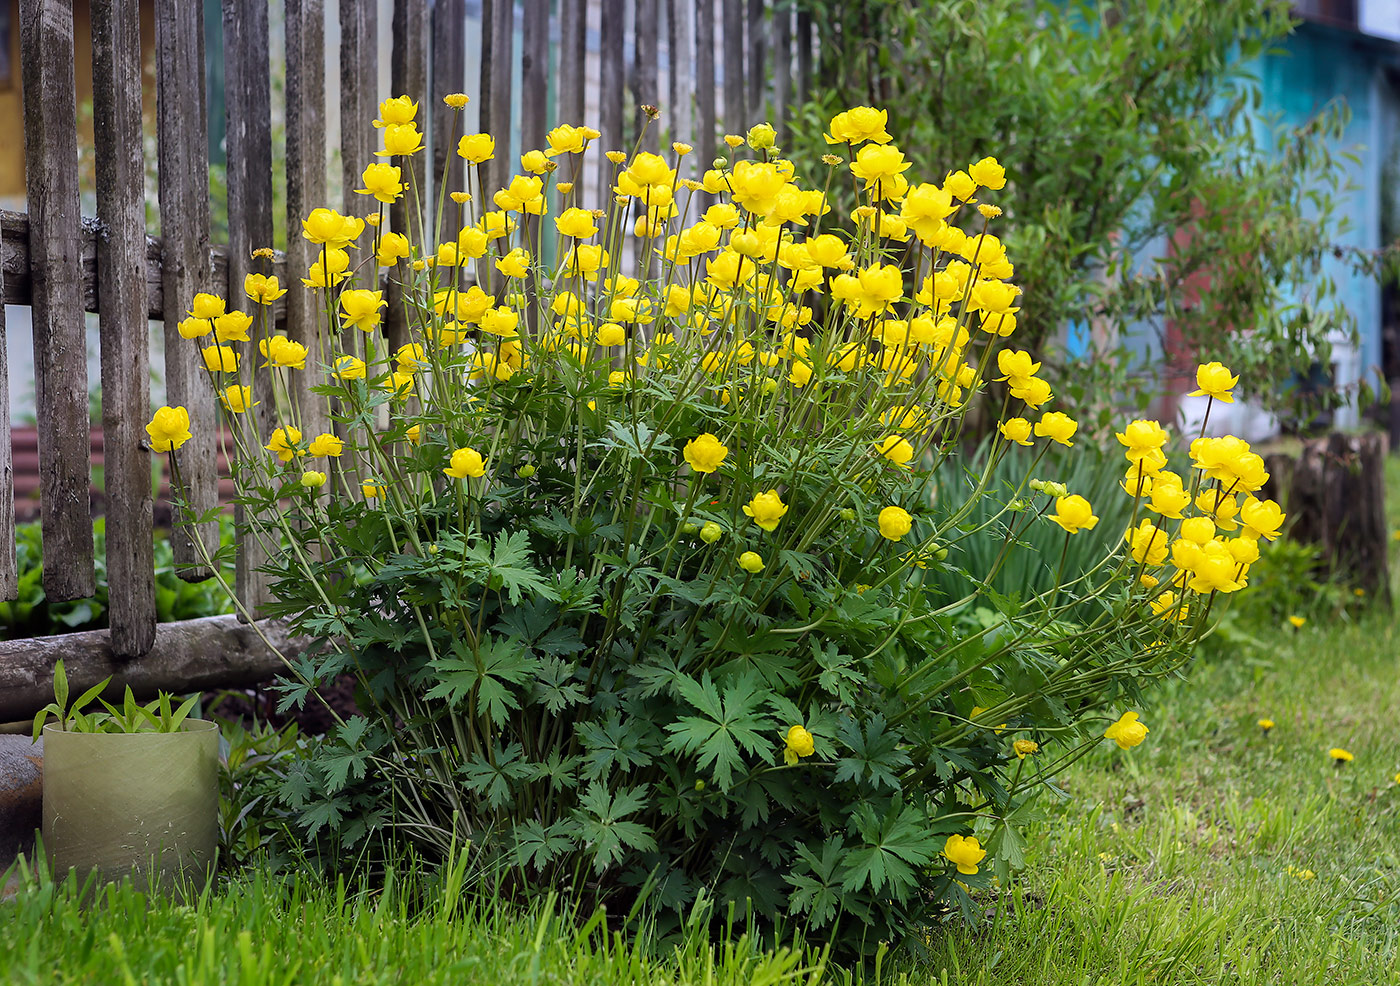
705 63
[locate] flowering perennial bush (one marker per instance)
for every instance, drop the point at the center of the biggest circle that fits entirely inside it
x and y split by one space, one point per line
626 540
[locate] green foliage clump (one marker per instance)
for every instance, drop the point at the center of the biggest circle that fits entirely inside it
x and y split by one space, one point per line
32 614
1123 127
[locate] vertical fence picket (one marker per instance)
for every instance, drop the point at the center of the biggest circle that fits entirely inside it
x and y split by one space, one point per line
756 72
409 77
497 57
186 268
248 104
683 73
359 94
782 69
735 112
9 565
121 293
306 190
611 78
60 360
573 41
645 90
705 124
449 39
534 99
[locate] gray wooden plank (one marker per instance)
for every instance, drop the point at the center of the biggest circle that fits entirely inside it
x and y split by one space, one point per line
449 40
782 68
534 75
705 123
612 78
756 71
573 51
359 95
497 59
183 146
645 88
60 360
306 190
248 106
681 22
734 109
409 75
121 283
9 573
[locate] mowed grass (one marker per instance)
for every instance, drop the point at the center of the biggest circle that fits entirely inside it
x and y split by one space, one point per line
1187 859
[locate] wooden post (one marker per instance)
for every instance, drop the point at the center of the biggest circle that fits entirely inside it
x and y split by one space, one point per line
610 96
706 125
645 90
1334 495
186 265
9 573
359 95
735 112
60 344
306 190
683 73
248 102
804 54
449 40
409 72
497 58
782 68
756 86
573 40
121 288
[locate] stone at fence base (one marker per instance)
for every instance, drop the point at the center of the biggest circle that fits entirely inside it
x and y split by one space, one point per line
21 795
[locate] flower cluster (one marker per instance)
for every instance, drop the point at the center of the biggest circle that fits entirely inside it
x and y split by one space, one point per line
621 513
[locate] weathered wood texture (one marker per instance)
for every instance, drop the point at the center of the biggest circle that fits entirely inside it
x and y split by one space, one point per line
60 344
449 44
612 77
570 84
497 59
359 93
645 85
409 74
121 268
190 655
248 106
1334 495
9 574
306 190
186 265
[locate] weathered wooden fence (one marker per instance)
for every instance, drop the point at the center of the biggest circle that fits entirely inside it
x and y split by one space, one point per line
729 61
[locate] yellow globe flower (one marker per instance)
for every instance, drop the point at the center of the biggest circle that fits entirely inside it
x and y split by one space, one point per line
766 509
1057 426
1215 380
466 462
169 428
1127 732
751 562
237 399
896 449
705 452
1074 514
895 523
327 445
311 479
284 442
1016 430
964 853
206 306
1024 748
220 359
800 743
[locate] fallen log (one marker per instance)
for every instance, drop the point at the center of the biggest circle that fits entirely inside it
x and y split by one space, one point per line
188 656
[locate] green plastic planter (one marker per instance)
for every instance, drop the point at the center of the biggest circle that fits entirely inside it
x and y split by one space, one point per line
139 804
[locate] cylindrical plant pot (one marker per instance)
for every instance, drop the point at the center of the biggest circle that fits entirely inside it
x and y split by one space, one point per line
142 804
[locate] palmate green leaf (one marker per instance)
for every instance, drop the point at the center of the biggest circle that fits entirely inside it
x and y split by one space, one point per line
495 777
614 744
894 847
535 845
816 882
512 571
599 816
725 726
875 756
498 663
